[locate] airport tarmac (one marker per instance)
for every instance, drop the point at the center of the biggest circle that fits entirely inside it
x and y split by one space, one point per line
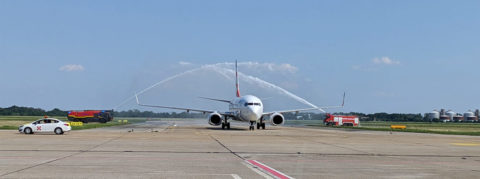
193 149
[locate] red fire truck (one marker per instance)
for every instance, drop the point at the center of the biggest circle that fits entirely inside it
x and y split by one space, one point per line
86 116
339 120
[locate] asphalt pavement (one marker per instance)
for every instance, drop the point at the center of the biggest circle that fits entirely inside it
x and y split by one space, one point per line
193 149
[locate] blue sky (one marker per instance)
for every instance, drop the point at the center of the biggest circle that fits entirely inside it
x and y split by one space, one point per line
389 56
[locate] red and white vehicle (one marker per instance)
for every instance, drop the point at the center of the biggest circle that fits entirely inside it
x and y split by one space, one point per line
86 116
339 120
45 125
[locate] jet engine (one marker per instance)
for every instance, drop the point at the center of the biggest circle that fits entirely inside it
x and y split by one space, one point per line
214 119
277 119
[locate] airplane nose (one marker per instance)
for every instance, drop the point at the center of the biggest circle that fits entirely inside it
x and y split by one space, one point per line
254 115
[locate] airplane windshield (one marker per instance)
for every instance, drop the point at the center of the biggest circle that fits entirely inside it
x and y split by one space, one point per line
253 104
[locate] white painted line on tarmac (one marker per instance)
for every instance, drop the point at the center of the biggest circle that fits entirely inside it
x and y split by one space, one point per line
269 170
257 171
235 176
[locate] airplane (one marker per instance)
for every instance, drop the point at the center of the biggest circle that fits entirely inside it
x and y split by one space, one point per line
248 108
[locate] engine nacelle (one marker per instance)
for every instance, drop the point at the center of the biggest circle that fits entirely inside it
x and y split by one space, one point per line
277 119
214 119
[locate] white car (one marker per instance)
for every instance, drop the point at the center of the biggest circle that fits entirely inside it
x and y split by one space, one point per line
45 125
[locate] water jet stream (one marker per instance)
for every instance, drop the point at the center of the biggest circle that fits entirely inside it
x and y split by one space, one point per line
227 73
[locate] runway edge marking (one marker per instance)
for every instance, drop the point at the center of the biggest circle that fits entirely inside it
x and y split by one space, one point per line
268 170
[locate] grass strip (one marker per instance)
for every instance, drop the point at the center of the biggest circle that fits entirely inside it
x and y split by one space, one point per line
96 125
405 130
8 127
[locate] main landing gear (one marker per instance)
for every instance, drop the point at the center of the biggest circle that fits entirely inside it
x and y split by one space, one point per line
225 123
261 125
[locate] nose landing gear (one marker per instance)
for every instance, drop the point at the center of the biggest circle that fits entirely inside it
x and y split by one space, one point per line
260 124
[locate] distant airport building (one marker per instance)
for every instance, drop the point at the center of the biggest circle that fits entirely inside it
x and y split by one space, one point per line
433 115
452 116
470 116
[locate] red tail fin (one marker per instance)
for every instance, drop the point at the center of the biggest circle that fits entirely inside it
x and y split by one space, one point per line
236 79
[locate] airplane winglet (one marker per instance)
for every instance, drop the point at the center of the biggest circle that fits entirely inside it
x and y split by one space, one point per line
136 97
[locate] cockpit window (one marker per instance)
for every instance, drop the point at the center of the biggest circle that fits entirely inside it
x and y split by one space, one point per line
253 104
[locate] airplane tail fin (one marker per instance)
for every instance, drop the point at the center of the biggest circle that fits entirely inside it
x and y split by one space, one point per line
236 79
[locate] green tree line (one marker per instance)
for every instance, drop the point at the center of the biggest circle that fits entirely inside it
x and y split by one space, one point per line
138 113
29 111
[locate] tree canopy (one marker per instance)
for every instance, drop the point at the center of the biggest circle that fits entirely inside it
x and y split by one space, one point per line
29 111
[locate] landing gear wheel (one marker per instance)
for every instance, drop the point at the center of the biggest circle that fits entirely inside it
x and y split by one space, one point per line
261 124
225 123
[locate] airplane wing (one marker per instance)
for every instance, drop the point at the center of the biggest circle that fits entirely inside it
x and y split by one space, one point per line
293 110
213 99
179 108
330 107
170 107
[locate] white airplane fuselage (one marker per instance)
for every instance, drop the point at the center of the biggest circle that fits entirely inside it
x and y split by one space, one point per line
246 108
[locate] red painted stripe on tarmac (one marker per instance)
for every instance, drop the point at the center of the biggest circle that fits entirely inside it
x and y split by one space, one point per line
268 169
